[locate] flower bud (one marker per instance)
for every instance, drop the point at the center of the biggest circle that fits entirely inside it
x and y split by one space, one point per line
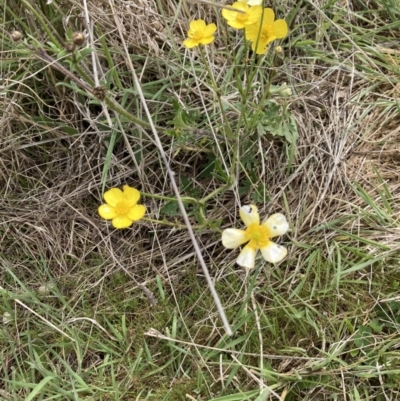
78 38
16 36
6 318
70 47
285 91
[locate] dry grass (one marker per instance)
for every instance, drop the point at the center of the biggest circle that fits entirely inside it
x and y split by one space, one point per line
123 315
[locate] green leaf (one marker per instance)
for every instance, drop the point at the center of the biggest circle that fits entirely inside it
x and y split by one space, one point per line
375 326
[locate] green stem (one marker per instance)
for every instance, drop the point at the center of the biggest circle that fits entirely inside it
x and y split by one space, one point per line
204 200
44 24
112 104
186 199
169 223
266 93
217 92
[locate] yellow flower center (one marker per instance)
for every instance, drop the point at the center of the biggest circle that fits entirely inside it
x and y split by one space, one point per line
267 32
258 235
196 35
242 17
122 208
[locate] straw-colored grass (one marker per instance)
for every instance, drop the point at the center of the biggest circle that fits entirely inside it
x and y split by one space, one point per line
94 313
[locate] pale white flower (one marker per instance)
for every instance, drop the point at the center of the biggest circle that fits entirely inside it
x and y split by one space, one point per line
45 289
252 2
6 318
257 236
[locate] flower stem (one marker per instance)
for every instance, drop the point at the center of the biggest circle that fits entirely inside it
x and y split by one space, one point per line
229 183
217 92
186 199
170 223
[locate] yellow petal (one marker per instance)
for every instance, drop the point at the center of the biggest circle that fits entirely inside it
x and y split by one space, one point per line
190 43
247 257
232 238
131 194
273 253
251 32
210 29
122 222
207 40
197 25
238 20
277 225
107 212
113 196
260 47
228 14
240 5
254 15
249 215
268 16
231 14
236 24
137 212
280 28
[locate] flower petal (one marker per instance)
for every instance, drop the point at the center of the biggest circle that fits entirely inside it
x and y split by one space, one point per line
206 40
197 25
230 14
251 2
236 24
260 47
113 196
122 222
247 257
131 194
136 212
107 212
268 16
249 215
190 43
280 28
251 32
277 225
209 30
273 253
232 238
254 15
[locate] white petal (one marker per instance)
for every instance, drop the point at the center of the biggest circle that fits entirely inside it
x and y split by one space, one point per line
247 257
249 215
273 253
277 225
251 2
232 238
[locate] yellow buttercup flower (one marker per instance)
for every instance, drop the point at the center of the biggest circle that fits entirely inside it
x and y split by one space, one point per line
200 34
264 32
121 207
239 20
257 236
